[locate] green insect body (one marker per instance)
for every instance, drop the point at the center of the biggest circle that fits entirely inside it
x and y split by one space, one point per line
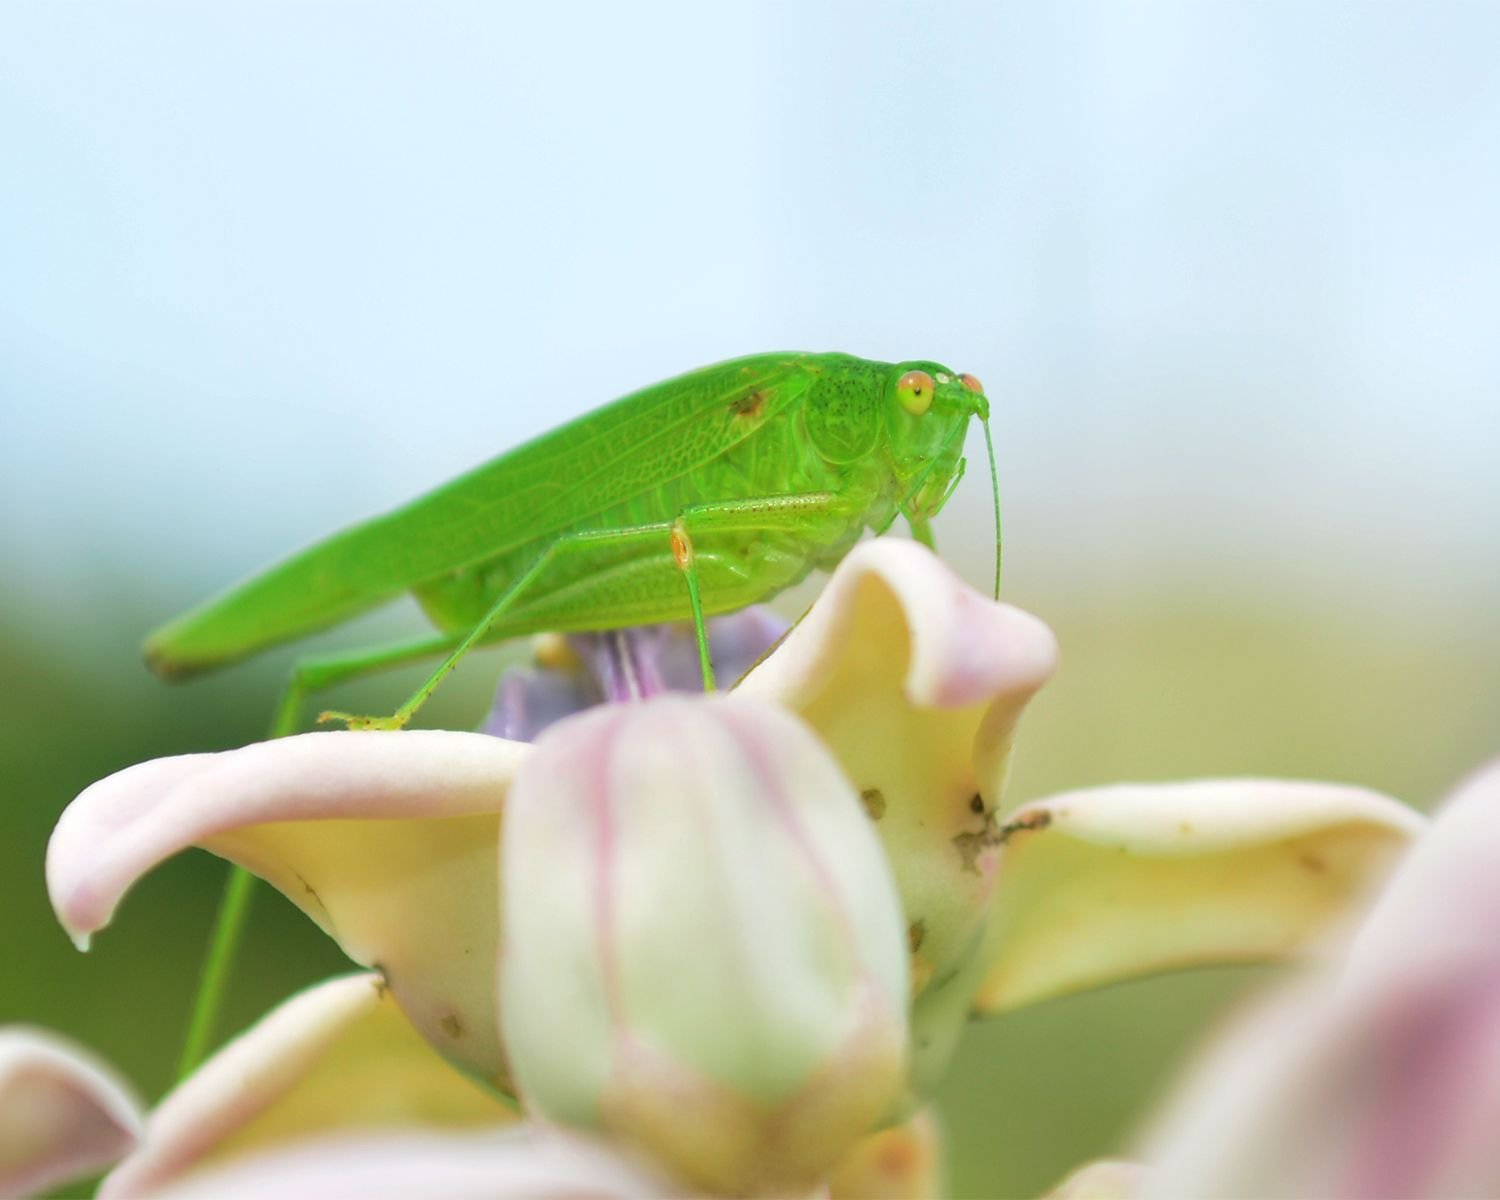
761 469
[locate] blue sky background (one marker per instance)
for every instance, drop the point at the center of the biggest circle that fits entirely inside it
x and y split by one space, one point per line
1228 271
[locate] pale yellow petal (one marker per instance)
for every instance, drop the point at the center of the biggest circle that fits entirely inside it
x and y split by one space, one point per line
1106 884
389 841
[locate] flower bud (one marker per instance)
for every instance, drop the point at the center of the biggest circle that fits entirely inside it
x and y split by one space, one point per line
703 953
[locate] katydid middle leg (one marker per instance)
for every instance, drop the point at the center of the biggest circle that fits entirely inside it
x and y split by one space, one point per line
762 514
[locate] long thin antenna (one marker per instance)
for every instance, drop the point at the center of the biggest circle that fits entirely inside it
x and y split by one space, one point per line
989 448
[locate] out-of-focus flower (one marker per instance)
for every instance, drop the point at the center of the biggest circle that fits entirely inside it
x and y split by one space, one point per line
1106 1179
702 950
332 1095
1381 1078
904 1162
62 1114
528 1162
338 1060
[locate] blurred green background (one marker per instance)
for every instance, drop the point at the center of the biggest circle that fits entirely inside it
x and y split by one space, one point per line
1229 272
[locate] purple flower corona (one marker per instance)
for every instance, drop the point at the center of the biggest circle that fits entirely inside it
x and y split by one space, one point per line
580 670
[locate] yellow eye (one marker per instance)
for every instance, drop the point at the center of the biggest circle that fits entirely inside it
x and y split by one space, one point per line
914 390
973 384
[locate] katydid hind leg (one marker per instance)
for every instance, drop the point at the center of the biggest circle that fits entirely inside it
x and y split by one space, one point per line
745 516
317 673
568 543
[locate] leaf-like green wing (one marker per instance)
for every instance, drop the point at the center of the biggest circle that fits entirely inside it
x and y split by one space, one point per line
528 495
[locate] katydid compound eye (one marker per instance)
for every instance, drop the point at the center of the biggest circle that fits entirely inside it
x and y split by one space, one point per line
914 390
972 383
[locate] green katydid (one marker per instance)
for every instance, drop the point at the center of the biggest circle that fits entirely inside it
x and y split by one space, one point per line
698 495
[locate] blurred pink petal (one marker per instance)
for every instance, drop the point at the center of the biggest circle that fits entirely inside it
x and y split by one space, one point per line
1106 884
62 1113
387 840
1379 1080
338 1058
528 1163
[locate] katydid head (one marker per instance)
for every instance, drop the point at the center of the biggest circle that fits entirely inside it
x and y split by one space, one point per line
927 412
928 409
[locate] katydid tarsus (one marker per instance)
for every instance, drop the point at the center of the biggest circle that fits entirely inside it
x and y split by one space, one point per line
698 495
695 496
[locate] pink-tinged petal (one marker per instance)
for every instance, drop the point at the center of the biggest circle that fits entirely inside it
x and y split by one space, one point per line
338 1058
389 841
1441 912
62 1113
904 1162
916 683
1106 1179
531 1163
1380 1079
1104 884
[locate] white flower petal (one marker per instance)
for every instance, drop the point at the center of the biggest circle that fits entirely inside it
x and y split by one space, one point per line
916 683
389 841
339 1057
62 1113
1109 883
